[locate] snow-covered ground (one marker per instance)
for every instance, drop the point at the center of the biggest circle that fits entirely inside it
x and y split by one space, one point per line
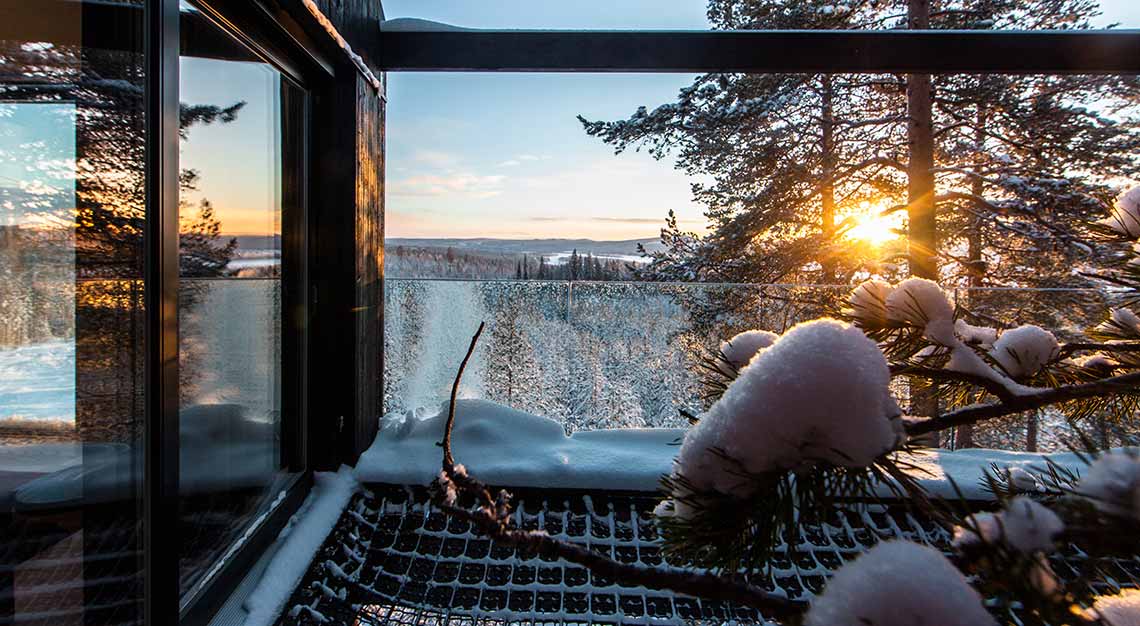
503 446
507 447
297 543
562 258
37 382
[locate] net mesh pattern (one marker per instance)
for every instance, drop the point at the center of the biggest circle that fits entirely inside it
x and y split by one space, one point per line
395 559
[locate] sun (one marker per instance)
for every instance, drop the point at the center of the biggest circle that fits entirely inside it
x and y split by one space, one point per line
871 226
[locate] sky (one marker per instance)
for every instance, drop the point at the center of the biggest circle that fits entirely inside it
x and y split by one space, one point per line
469 155
503 155
238 163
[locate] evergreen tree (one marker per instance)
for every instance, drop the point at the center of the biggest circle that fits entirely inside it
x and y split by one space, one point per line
1006 160
511 376
573 265
772 145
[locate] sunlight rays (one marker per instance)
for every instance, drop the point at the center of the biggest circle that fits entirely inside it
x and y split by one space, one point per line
871 226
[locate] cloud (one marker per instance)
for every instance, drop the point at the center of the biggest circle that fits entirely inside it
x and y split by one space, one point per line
520 159
470 185
435 158
630 220
610 220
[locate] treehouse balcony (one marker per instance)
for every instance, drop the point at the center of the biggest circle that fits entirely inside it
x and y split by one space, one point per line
226 375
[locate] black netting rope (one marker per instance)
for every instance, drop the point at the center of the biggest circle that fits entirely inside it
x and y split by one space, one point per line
395 559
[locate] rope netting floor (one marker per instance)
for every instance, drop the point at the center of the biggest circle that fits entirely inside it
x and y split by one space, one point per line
395 559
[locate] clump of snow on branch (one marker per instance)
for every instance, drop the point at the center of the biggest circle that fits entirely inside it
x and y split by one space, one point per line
869 302
1112 482
1126 318
922 303
919 301
1098 361
1024 350
898 583
1125 215
1122 609
1023 525
1121 322
1029 526
740 349
977 335
819 393
1022 480
982 528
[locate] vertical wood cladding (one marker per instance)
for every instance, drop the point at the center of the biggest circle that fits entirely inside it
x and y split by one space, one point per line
348 242
369 262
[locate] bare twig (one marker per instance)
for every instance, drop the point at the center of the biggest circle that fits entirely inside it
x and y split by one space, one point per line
1125 383
448 459
491 516
1070 348
944 375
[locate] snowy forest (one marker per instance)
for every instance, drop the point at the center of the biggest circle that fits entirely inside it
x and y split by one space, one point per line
422 261
983 183
628 354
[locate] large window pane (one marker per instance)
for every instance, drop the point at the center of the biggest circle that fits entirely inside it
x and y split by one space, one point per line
72 214
239 159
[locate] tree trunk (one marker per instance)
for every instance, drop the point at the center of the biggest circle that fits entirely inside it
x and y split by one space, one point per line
975 271
922 235
827 191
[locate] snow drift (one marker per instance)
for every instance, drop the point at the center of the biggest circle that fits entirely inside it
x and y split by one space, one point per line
506 447
510 448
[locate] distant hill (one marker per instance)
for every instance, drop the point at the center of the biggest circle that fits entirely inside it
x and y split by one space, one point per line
256 242
531 246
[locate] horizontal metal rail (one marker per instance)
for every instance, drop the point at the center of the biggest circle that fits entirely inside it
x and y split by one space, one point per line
425 46
717 285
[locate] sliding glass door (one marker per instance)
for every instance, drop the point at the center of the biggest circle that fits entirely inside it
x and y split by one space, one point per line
240 200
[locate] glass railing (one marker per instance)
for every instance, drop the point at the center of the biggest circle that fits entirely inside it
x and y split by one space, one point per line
627 354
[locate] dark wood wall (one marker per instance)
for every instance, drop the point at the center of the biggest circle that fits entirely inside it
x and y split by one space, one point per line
370 115
347 243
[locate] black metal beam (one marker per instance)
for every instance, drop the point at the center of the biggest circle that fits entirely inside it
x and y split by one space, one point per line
161 445
420 47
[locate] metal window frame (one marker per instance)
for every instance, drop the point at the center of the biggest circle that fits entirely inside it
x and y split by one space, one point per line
444 48
160 293
272 36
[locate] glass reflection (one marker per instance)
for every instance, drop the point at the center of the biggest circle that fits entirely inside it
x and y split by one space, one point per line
72 211
239 155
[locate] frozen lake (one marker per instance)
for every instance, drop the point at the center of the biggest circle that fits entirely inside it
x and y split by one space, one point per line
37 382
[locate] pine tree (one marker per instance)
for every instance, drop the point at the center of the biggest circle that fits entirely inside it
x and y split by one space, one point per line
573 266
790 155
511 373
772 144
